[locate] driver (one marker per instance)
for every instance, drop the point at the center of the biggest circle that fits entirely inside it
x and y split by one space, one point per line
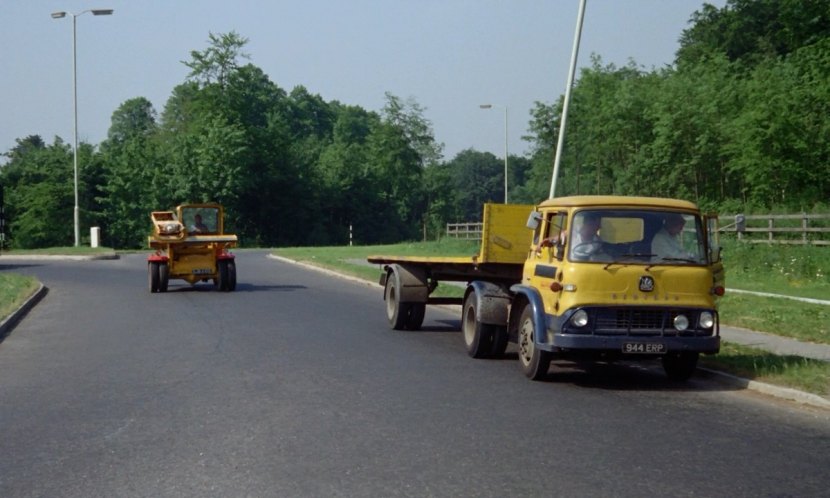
587 232
585 240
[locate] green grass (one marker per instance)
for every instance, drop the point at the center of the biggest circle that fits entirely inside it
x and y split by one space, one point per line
804 374
784 317
14 290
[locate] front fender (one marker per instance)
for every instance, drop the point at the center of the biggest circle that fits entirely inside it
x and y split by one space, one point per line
538 309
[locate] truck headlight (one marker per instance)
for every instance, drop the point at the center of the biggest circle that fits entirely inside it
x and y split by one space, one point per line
707 320
580 318
681 322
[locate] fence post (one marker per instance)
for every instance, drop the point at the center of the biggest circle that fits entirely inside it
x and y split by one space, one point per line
804 227
769 234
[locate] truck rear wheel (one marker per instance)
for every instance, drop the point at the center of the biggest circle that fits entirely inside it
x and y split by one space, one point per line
499 341
535 362
478 337
415 316
680 366
153 276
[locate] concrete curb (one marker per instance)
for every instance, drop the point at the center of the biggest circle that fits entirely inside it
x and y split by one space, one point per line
769 389
779 392
7 325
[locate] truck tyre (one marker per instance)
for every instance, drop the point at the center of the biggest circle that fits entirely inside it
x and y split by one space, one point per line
164 276
153 276
499 341
535 362
222 279
478 337
231 275
680 366
396 311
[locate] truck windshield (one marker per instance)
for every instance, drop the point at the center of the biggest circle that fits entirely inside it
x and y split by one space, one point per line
626 236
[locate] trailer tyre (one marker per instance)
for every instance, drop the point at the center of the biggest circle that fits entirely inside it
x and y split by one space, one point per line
535 362
478 337
396 311
680 366
164 277
153 276
415 316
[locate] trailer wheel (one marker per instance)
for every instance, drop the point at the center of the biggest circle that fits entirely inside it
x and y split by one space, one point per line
153 276
222 279
680 366
415 316
164 276
535 362
231 275
478 337
396 311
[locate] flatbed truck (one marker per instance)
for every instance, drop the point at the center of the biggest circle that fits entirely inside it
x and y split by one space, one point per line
633 291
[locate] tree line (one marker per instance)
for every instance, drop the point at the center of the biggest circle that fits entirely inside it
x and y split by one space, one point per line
737 123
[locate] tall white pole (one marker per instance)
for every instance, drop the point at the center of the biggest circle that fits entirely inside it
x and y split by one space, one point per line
505 154
561 140
61 15
76 215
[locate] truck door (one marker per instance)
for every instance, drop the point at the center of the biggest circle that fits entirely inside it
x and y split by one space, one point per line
713 250
546 256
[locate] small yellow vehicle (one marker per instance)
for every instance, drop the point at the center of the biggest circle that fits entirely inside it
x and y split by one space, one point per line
190 244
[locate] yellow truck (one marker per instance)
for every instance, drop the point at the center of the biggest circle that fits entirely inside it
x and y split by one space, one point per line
583 277
190 244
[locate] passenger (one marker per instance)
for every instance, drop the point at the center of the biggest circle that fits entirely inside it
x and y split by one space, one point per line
666 242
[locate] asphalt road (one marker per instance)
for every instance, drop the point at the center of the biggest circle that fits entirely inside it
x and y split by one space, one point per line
294 386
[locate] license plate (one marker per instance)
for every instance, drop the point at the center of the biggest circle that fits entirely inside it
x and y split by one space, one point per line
202 271
643 348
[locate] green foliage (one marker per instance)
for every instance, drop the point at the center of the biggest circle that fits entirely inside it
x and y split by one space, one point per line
739 123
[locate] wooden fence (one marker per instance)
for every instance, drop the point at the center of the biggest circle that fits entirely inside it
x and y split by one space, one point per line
756 228
803 229
466 231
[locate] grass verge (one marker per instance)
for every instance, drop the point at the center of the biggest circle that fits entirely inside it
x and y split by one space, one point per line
804 374
14 290
60 251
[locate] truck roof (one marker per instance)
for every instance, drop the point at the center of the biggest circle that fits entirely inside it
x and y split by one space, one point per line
617 200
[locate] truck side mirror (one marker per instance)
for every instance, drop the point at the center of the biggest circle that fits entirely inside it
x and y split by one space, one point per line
740 223
533 220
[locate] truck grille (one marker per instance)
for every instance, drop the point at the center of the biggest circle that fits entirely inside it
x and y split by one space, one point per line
642 321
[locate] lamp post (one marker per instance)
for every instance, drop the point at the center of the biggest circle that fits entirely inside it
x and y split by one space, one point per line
60 15
490 106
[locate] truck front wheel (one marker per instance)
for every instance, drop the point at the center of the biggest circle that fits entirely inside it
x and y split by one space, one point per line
478 337
535 362
680 366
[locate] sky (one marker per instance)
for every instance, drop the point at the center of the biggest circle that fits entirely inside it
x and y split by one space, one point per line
449 56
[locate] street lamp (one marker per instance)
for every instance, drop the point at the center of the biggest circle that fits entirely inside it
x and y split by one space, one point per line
490 106
60 15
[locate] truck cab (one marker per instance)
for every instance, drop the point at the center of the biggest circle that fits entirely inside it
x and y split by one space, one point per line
612 277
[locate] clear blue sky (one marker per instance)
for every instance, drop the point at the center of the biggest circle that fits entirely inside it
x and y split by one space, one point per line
449 55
